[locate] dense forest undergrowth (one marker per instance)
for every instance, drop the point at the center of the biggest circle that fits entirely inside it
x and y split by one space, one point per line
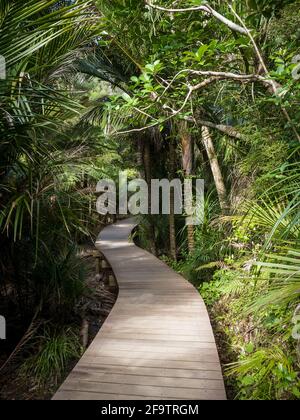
158 89
34 364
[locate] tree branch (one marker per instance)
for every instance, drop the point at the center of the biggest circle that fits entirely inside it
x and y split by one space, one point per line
226 129
272 83
214 76
156 123
220 75
205 8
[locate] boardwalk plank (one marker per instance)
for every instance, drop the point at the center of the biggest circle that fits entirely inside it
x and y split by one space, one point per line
143 390
129 369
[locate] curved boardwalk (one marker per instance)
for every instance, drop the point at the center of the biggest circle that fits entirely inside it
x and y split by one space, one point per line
157 342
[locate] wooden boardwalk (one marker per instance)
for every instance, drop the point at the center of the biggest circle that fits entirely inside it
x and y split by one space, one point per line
157 342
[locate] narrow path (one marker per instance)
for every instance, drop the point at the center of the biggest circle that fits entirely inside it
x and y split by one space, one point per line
157 342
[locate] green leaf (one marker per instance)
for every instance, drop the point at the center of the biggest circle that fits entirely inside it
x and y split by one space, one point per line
126 97
248 380
201 51
249 348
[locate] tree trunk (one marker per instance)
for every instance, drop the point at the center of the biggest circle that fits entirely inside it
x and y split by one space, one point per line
215 168
187 165
148 175
172 228
140 155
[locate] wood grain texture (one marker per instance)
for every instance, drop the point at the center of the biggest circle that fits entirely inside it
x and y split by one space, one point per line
157 343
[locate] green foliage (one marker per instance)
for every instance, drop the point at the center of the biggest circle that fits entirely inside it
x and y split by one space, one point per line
53 350
266 374
75 78
48 167
58 280
267 366
263 300
284 31
210 291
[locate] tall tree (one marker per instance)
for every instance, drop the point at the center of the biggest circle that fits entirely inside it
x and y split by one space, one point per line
148 177
215 169
187 166
172 226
